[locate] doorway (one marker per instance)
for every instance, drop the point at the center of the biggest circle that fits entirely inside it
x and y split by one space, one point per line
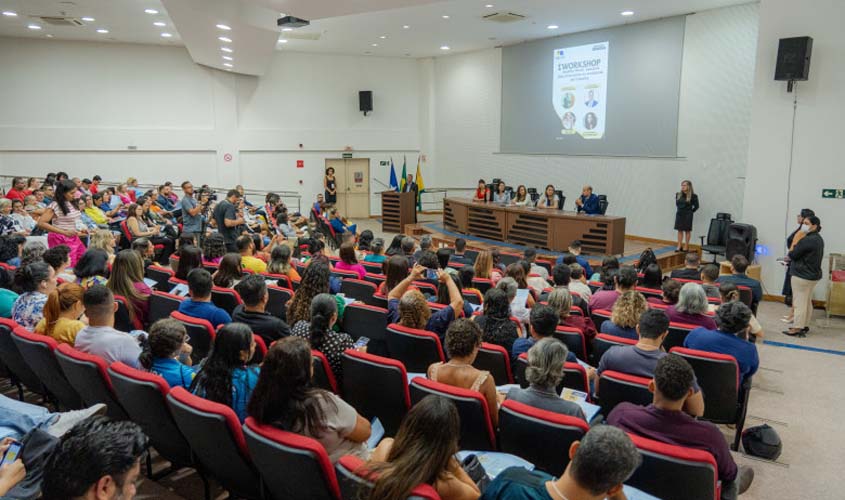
352 176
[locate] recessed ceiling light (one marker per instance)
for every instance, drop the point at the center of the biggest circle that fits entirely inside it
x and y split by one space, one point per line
405 26
287 29
444 47
34 27
224 39
489 5
227 58
223 27
283 40
374 45
49 35
102 31
383 37
228 65
9 13
166 35
627 13
226 49
88 19
552 27
159 24
444 16
151 11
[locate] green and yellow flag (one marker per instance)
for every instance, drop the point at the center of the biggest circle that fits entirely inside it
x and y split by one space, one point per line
402 181
420 186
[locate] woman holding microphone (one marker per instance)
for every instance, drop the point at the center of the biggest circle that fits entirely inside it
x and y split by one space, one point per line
805 269
686 202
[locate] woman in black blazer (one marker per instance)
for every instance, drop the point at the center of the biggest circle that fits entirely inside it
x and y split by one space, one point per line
686 202
805 268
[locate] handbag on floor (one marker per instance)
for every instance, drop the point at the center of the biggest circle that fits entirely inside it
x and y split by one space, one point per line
762 441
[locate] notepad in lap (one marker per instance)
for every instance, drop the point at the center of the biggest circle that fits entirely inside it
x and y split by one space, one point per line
376 433
580 398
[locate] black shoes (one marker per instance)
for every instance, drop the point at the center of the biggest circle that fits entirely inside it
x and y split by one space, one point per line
802 333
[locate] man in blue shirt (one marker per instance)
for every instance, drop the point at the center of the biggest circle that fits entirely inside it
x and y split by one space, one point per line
730 338
337 223
588 202
199 304
543 321
192 212
163 201
739 264
575 249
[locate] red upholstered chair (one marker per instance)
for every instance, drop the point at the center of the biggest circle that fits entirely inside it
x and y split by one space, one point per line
677 334
89 376
291 465
344 274
200 333
425 287
496 360
375 278
650 292
574 340
282 280
122 321
353 477
361 290
225 298
616 387
603 342
599 316
215 436
417 349
362 320
37 351
482 284
477 431
323 375
277 300
260 350
161 275
574 375
162 304
372 267
725 398
20 371
376 387
473 297
144 396
542 437
673 472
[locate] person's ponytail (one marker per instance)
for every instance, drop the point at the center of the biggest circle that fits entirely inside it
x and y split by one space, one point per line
323 307
52 309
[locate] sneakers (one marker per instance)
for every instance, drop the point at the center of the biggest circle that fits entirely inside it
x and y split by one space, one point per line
745 475
70 418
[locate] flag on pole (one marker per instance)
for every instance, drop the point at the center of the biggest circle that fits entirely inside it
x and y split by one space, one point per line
420 186
394 185
404 175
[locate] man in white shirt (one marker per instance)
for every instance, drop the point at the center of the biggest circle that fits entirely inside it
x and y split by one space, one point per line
99 337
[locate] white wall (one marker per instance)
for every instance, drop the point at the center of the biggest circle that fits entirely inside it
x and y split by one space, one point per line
715 104
772 196
77 106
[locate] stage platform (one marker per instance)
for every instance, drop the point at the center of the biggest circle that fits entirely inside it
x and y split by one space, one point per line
667 256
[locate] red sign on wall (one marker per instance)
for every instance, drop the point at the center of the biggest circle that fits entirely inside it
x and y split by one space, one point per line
227 157
300 163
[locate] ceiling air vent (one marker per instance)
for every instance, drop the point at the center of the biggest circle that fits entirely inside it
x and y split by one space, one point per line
504 17
299 35
61 21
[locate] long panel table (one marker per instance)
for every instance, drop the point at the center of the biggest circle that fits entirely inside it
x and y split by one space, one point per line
535 227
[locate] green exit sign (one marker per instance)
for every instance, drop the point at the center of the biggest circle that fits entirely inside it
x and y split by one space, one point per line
833 193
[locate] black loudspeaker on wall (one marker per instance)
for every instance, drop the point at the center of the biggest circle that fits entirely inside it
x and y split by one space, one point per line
742 240
793 62
365 101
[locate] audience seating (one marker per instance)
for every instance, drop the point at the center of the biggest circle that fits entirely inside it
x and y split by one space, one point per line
650 292
473 297
355 481
291 465
574 340
359 290
215 436
323 375
277 300
122 322
38 352
426 287
282 280
616 387
482 284
508 258
161 275
477 431
362 320
417 349
671 472
599 316
200 334
376 387
574 375
342 274
542 437
603 342
89 376
162 304
725 398
11 357
375 278
372 267
496 360
746 296
144 396
677 334
260 350
225 298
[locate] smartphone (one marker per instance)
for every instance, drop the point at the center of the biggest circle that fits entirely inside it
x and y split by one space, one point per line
361 342
12 454
431 274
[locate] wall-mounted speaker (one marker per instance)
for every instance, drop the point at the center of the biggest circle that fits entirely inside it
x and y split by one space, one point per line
365 101
793 62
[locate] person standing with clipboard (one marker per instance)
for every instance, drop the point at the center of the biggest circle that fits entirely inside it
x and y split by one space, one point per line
686 203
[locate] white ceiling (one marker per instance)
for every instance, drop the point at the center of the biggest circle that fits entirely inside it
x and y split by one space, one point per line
337 26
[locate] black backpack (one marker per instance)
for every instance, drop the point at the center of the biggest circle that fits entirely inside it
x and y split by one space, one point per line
762 441
646 259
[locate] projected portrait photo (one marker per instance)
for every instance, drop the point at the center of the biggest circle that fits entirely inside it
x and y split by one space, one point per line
568 100
590 121
591 99
568 120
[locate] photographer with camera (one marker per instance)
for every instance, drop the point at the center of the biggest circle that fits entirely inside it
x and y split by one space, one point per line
192 211
228 221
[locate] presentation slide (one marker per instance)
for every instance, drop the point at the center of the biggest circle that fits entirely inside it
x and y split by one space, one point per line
579 81
614 92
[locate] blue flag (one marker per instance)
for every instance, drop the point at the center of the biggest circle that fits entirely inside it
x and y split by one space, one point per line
394 184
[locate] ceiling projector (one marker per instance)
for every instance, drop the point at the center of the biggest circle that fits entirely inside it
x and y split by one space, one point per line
292 22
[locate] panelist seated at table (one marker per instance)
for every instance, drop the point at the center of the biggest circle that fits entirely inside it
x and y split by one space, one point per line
481 192
521 198
549 198
501 195
588 202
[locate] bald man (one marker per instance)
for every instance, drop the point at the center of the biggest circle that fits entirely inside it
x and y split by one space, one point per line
588 202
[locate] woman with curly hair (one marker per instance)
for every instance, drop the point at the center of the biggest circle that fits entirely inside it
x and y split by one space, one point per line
561 301
625 315
213 249
495 322
105 241
409 307
315 280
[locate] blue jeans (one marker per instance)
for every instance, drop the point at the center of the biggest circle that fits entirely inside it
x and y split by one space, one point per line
17 418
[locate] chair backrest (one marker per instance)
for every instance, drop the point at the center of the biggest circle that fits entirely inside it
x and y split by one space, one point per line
122 321
542 437
260 350
376 387
362 320
291 465
673 472
359 290
599 316
143 395
677 334
650 292
89 375
575 377
717 233
323 375
200 333
355 480
417 349
496 360
616 387
215 435
472 296
375 278
560 199
37 352
603 342
14 362
161 275
477 431
482 284
574 340
719 378
746 296
277 300
281 280
426 287
603 204
225 298
372 267
162 304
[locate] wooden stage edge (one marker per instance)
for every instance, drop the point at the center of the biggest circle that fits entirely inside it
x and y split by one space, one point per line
634 246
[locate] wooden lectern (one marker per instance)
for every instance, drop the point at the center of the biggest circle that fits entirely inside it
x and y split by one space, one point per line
397 209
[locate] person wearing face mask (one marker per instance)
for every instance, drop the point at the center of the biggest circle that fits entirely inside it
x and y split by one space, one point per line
792 240
805 270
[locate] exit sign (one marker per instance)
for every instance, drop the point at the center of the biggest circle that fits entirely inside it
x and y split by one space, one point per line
833 193
346 156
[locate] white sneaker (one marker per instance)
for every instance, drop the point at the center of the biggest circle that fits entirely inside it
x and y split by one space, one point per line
70 418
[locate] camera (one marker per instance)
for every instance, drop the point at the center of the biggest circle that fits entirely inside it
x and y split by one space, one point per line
206 193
